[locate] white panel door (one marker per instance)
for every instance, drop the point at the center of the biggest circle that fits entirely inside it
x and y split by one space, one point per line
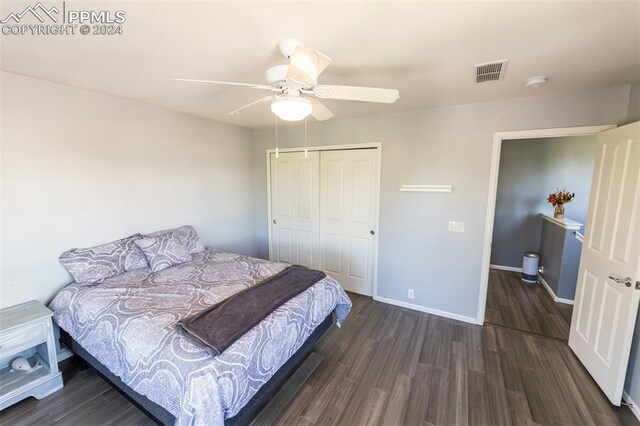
608 287
348 217
294 209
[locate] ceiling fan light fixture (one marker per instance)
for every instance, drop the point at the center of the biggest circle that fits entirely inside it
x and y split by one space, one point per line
291 109
295 89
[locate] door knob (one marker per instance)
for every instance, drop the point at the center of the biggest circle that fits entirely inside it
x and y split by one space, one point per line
626 281
274 221
372 232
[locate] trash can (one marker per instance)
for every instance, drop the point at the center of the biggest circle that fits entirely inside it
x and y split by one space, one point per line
530 263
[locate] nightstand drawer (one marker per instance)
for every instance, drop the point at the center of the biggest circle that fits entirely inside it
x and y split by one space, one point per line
21 339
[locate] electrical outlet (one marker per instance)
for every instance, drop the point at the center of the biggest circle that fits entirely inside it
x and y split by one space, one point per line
456 226
410 293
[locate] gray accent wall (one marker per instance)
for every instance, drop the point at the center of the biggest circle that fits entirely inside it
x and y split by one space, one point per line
530 169
80 168
450 145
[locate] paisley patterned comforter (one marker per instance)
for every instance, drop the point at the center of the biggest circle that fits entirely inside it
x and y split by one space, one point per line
129 324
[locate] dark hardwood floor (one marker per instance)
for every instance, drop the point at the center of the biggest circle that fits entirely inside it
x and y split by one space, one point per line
85 399
529 308
389 366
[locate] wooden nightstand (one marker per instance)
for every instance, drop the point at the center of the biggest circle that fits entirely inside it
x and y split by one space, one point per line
26 331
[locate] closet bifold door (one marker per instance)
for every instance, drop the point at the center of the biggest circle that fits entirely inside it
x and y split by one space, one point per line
294 208
348 216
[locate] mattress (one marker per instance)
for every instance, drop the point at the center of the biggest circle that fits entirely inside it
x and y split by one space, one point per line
129 324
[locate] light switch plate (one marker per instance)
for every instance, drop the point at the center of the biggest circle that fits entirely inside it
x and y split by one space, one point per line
456 226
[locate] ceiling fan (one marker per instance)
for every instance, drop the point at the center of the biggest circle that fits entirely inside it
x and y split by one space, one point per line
296 86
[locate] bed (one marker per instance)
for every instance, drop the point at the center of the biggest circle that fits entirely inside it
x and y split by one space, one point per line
126 327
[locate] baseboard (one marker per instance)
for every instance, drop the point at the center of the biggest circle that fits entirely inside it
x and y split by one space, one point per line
553 295
432 311
505 268
632 405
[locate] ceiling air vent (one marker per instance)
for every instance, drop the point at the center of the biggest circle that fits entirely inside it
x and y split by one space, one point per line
490 71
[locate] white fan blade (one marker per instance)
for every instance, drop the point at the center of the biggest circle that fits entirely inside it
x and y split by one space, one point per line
306 65
353 93
319 111
252 105
229 83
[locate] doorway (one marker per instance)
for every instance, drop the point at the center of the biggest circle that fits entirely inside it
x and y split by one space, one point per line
524 223
499 137
606 299
323 211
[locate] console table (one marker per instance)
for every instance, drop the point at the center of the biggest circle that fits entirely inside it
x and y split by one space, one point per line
560 256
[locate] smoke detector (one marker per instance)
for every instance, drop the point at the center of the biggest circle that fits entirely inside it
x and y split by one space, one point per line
536 81
490 71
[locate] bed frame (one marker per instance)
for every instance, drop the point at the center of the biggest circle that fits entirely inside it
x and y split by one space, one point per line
243 417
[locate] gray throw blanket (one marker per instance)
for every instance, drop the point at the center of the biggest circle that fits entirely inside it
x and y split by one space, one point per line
222 324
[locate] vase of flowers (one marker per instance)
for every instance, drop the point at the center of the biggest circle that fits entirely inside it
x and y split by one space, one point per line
558 199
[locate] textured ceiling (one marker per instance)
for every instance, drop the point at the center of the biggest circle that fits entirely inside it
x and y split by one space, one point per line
425 49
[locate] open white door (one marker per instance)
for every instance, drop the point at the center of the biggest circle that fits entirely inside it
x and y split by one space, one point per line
608 288
295 211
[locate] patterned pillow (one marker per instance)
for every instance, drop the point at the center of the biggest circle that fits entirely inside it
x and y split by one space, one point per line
186 234
163 251
92 265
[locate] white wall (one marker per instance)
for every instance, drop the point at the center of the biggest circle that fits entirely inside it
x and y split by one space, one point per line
449 145
81 168
633 111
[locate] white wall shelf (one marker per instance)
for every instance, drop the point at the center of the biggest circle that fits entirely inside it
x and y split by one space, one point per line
426 188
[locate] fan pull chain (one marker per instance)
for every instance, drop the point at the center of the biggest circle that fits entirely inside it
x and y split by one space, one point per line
306 152
277 153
